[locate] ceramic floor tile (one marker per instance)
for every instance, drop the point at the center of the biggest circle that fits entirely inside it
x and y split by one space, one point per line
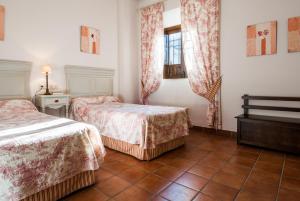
208 168
115 167
133 194
203 171
176 192
182 163
288 195
149 166
268 167
265 177
153 183
231 180
169 172
202 197
221 155
158 198
236 169
270 157
213 162
291 172
257 186
219 191
290 184
90 194
245 195
113 186
292 164
133 175
240 160
246 154
192 181
102 175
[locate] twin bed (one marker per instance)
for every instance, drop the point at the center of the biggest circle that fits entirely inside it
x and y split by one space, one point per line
45 158
42 157
142 131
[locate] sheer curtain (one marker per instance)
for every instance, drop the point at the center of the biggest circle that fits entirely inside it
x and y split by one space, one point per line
200 34
152 46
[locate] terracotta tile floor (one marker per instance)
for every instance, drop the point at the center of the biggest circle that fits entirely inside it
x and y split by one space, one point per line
208 168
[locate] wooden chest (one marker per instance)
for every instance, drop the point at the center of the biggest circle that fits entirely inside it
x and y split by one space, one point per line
272 132
278 133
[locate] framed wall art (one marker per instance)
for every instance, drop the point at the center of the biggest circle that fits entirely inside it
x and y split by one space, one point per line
2 13
262 39
90 40
294 34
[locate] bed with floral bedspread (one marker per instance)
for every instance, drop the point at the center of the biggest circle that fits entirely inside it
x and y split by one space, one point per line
141 125
38 151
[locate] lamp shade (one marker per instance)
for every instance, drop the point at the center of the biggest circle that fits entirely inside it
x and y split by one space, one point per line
47 69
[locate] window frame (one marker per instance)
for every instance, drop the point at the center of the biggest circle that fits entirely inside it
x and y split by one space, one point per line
167 67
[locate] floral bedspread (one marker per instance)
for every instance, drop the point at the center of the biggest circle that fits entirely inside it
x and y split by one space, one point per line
38 151
145 125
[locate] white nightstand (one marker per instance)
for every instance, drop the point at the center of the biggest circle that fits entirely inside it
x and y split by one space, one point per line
53 101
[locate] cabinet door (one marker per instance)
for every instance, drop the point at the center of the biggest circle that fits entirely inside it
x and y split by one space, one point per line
279 136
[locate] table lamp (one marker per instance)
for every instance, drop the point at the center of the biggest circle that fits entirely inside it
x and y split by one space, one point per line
47 70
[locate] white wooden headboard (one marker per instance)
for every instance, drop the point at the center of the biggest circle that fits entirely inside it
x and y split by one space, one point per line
89 81
14 79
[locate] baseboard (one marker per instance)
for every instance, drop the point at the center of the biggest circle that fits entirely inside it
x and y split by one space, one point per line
214 131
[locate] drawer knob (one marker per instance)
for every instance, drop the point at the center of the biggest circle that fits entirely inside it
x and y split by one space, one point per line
56 101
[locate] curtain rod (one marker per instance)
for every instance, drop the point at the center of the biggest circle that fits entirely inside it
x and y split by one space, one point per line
162 1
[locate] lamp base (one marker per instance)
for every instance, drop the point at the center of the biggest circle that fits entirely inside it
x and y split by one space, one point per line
47 92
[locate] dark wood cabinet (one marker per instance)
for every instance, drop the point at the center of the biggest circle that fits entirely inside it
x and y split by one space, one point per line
278 133
273 133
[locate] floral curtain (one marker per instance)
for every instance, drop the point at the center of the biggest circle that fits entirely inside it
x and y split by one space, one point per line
152 46
201 32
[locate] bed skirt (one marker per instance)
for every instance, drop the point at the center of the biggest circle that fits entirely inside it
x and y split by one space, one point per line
139 153
65 188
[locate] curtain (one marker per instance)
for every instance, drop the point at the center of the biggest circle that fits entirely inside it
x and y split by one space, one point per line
200 34
152 47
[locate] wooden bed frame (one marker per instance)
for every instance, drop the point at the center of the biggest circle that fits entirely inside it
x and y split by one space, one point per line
91 81
14 84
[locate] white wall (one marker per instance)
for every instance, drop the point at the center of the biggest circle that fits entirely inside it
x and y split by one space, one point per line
48 31
264 75
128 50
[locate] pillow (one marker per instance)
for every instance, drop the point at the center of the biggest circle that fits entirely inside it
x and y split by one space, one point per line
17 106
79 105
96 99
108 99
86 100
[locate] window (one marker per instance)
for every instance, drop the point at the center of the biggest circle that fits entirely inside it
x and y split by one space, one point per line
174 62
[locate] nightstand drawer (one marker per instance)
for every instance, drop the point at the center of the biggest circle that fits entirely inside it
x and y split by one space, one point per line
56 101
53 102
